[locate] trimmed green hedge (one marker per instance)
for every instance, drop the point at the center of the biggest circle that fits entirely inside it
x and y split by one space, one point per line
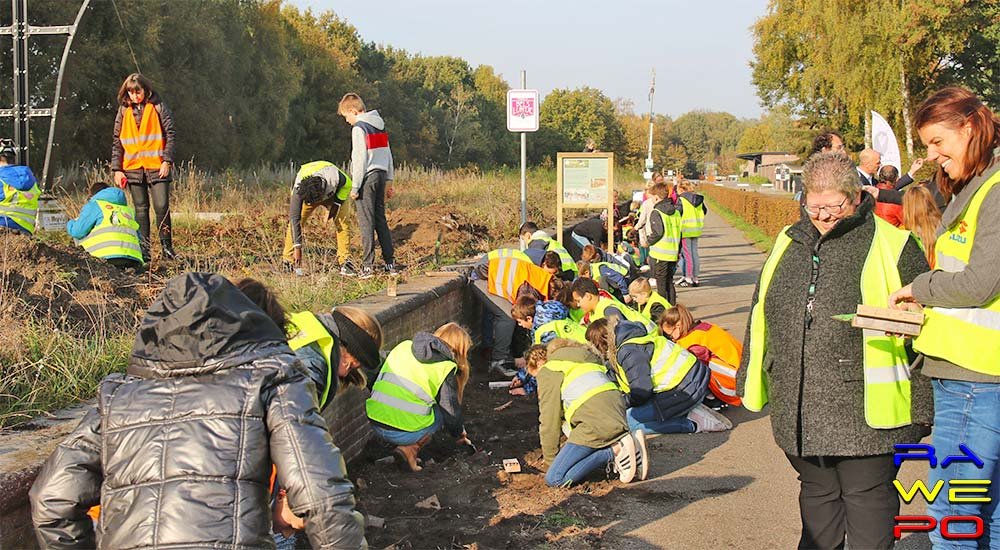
769 214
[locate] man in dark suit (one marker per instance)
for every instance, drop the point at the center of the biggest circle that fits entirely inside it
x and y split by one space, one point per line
868 162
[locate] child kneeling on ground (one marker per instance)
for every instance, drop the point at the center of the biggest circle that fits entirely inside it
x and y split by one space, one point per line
575 393
648 301
419 389
711 344
664 385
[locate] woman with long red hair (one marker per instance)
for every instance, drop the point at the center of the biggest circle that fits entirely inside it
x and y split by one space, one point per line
960 338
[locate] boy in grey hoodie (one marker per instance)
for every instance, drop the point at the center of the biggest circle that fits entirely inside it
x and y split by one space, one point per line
371 177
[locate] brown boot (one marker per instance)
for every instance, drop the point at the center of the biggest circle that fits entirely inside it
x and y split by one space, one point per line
406 455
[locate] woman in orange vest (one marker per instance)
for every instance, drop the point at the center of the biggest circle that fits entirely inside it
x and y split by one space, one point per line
711 344
142 156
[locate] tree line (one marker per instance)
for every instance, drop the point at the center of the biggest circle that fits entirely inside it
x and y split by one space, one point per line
258 81
828 62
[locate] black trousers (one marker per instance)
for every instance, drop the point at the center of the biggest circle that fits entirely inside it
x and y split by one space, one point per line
851 496
371 219
664 274
160 192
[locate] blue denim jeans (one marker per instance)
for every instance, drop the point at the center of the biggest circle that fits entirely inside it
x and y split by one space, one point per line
969 413
646 417
574 462
400 438
580 240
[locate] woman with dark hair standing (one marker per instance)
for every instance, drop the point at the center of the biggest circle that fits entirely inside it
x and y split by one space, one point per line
142 155
960 339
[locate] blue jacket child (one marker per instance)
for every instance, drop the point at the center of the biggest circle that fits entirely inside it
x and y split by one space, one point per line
20 178
91 215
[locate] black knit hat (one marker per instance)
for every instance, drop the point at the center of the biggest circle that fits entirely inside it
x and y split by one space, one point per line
357 341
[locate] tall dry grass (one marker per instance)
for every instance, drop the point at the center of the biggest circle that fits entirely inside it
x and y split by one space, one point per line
43 368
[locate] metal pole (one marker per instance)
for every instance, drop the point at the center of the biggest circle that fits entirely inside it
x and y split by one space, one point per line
55 102
652 86
524 163
20 51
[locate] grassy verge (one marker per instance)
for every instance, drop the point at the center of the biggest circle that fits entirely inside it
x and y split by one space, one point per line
754 234
50 370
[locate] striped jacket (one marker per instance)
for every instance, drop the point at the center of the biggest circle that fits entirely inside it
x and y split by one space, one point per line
369 149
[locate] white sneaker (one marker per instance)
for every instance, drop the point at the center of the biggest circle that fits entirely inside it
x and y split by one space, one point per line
503 370
641 454
707 420
625 458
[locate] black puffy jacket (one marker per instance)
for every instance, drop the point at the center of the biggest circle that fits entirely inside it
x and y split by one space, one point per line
179 450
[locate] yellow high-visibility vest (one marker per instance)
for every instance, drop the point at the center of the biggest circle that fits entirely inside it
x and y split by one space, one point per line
116 236
692 220
581 381
665 249
311 168
306 329
654 299
668 365
966 336
630 314
886 365
563 328
20 206
405 392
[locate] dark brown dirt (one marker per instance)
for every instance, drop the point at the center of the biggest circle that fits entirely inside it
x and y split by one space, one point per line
482 506
422 232
67 286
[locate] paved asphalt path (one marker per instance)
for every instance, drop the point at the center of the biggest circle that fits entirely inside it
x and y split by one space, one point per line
722 490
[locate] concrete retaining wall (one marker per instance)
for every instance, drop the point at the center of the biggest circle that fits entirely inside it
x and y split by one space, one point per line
420 305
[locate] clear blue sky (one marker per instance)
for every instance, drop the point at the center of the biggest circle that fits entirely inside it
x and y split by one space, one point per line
699 48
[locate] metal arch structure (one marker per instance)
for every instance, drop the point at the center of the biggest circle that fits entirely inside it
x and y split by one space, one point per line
22 110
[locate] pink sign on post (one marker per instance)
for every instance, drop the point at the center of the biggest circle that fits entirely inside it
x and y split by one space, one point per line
522 110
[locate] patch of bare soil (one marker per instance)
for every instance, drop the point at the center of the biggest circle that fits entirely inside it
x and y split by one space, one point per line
65 285
482 506
421 233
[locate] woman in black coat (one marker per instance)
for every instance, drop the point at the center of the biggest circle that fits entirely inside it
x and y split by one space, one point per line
813 367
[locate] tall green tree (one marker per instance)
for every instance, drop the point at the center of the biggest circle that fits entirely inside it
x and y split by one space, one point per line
568 118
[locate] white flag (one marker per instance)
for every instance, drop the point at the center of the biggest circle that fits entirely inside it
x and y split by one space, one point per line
884 141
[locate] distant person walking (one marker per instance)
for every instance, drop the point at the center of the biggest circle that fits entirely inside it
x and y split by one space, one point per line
142 153
371 181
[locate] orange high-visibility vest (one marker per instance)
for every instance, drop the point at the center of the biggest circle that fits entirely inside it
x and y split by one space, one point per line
507 274
727 352
142 143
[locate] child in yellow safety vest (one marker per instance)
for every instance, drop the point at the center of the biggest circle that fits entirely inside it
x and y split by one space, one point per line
650 304
106 227
348 340
663 384
711 344
419 389
576 396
